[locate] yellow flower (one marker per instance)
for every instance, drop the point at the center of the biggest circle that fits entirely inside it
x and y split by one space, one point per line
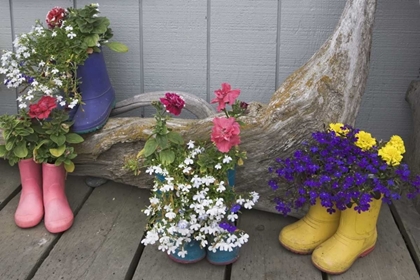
398 143
365 141
337 128
390 155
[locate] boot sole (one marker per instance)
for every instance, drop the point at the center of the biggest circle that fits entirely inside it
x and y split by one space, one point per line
364 254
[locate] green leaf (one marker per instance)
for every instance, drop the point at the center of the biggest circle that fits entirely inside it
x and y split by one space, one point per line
69 166
74 138
91 40
117 47
150 147
59 140
167 156
59 151
162 141
2 150
9 145
175 138
20 150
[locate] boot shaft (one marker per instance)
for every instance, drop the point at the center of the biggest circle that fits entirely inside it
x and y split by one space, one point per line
319 213
30 173
53 181
360 225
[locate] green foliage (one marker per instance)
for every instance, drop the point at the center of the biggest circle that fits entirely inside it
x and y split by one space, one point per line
56 140
19 136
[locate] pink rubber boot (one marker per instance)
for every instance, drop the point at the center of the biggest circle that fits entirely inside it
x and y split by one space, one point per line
58 215
30 209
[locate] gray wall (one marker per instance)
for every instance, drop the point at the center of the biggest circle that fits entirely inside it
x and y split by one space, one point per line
194 46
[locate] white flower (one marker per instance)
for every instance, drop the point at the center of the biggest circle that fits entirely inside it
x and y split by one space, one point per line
26 54
182 253
71 35
255 196
29 97
54 34
170 215
190 144
63 103
188 161
69 28
55 71
58 82
42 63
227 159
221 187
218 166
153 200
186 170
150 170
22 105
248 204
232 217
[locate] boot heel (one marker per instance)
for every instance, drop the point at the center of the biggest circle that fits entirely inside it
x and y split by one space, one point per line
367 252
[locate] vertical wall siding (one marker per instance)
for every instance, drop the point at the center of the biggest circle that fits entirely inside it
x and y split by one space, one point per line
194 45
7 101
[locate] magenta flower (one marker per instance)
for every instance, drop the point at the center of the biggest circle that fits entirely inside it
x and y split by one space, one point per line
225 95
225 134
173 103
55 17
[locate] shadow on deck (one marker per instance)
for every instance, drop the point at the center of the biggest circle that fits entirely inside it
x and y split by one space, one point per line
104 242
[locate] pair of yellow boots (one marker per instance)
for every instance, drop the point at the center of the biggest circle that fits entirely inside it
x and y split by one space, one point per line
335 240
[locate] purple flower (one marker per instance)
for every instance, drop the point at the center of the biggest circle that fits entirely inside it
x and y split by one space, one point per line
235 208
227 226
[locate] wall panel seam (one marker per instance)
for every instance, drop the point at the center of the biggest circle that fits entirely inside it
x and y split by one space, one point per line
278 42
208 51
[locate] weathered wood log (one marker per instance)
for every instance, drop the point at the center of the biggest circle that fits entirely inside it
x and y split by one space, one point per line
412 155
328 88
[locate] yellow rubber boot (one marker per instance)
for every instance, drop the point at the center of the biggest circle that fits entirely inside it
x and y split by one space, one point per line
355 237
303 236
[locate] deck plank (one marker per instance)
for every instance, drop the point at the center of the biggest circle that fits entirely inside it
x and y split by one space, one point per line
408 220
22 249
103 239
9 180
390 259
263 257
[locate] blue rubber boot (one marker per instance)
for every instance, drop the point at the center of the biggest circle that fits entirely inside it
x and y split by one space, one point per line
98 95
195 253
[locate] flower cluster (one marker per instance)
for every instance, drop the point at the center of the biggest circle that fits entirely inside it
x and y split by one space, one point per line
186 204
45 60
193 197
341 166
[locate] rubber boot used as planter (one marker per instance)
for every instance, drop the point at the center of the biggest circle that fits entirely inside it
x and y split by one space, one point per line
223 257
58 214
355 237
303 236
194 253
30 209
98 95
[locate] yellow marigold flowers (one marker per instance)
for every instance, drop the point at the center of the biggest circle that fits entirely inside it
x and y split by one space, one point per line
390 154
398 143
337 128
365 141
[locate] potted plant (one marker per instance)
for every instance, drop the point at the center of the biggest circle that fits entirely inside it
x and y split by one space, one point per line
194 205
65 60
40 141
344 174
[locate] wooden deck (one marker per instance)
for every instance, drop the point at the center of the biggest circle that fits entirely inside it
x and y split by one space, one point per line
104 242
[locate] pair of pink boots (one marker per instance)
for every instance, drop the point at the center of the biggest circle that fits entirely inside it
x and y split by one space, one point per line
43 195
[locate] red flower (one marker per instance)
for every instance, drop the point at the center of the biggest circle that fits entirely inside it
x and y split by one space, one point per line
225 133
43 108
55 17
173 103
225 95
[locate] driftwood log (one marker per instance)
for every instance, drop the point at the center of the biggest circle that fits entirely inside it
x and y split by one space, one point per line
413 148
328 88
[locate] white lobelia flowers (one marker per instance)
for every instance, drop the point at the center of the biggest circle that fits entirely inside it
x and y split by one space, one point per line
194 206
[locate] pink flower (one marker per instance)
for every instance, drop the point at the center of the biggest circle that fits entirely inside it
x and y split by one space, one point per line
225 133
173 103
225 95
55 17
43 108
